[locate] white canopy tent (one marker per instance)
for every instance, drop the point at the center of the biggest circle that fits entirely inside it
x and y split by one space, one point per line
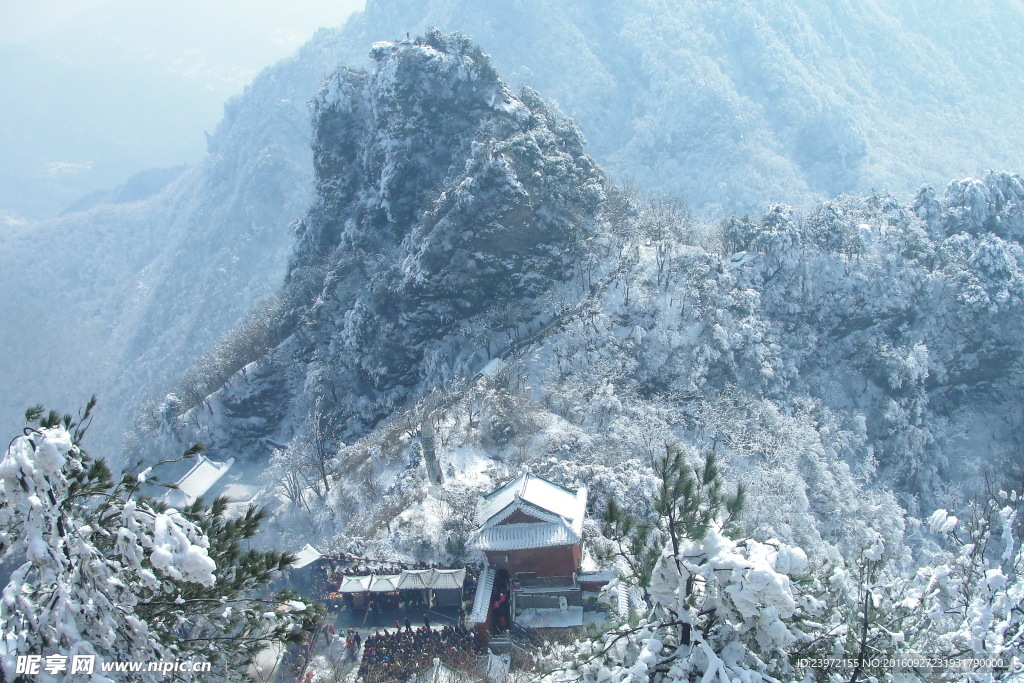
444 584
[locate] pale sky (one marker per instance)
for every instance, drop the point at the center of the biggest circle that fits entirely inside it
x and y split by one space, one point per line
268 28
100 89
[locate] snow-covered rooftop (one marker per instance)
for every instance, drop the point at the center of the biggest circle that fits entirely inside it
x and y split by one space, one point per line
520 536
557 510
305 557
435 579
354 584
412 579
446 579
492 368
383 584
197 481
550 617
597 575
536 492
483 597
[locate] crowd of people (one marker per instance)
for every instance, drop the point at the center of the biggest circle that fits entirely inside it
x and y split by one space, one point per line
397 655
385 656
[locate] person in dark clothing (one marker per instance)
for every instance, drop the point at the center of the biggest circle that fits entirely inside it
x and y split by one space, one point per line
408 625
426 622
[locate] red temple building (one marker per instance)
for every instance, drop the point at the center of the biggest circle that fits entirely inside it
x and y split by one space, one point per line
531 531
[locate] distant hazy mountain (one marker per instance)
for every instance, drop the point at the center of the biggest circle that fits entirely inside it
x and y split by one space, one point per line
147 284
98 90
730 104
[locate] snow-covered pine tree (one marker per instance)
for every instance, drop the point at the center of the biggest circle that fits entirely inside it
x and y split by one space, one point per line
637 542
975 589
103 570
959 617
722 607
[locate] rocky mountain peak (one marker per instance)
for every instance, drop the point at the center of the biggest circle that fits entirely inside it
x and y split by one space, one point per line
440 194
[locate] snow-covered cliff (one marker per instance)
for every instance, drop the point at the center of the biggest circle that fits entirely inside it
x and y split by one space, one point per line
440 197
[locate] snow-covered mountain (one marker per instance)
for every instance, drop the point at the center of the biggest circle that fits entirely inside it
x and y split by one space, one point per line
735 105
468 295
441 197
464 251
469 298
731 105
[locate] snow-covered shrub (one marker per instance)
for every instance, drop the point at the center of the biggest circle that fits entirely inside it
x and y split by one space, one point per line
102 570
975 589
